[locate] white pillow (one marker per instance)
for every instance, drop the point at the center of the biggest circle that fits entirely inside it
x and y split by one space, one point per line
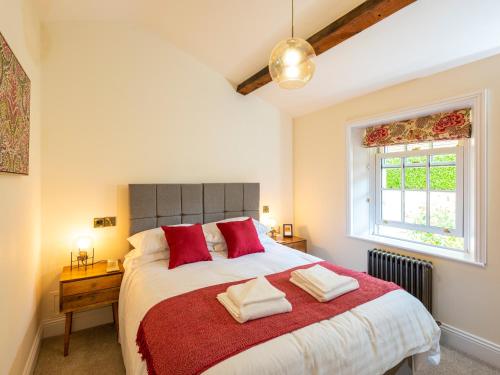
149 241
135 258
222 246
153 240
213 234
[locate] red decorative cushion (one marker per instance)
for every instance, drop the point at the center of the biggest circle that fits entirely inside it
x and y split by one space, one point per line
241 238
187 245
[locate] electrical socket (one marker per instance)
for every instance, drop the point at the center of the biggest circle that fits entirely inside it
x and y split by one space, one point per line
54 299
102 222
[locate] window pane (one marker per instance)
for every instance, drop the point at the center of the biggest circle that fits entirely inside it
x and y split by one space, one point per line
391 178
451 242
391 161
419 146
416 160
443 210
442 144
415 207
443 178
416 178
396 148
391 205
445 158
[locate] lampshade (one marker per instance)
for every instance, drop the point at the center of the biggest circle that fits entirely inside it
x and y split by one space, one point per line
268 221
84 242
291 63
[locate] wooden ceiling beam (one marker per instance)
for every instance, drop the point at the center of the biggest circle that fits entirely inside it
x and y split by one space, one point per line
360 18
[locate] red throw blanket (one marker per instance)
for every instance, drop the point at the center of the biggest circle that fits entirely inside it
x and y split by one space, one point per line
189 333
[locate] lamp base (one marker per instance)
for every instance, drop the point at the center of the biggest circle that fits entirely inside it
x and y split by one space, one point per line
82 260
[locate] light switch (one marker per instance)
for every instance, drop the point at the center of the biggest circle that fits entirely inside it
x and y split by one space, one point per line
102 222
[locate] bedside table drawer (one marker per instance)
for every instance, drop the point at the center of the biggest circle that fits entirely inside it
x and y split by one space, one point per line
302 246
80 301
89 285
297 243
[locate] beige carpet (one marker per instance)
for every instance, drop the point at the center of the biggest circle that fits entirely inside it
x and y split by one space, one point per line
95 351
92 351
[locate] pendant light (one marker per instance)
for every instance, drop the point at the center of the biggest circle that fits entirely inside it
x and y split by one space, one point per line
291 63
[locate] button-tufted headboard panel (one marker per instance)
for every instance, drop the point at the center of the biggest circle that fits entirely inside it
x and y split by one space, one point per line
153 205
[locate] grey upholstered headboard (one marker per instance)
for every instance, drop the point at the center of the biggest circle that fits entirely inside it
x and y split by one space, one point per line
154 205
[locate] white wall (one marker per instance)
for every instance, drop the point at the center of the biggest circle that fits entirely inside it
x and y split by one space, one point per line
20 206
465 296
121 105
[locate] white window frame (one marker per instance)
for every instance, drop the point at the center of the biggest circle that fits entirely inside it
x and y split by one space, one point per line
460 197
474 181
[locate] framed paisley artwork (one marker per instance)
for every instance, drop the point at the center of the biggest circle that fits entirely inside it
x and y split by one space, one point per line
14 113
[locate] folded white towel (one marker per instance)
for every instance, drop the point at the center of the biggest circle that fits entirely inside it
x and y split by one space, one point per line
255 290
254 310
323 284
322 278
325 297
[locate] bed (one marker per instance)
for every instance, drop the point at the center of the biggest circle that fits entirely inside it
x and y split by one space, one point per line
370 339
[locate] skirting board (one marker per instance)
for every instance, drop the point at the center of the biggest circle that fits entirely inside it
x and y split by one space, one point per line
470 344
81 320
29 368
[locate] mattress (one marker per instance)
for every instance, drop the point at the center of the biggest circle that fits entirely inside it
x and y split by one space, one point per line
369 339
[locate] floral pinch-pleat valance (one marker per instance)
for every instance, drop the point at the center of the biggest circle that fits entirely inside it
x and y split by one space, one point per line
436 127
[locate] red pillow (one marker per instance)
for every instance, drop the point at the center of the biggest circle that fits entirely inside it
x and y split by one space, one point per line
187 245
241 238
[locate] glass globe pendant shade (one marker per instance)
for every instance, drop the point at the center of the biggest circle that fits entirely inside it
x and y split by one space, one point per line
291 63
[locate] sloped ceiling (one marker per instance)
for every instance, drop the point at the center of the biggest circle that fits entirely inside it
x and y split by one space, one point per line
235 37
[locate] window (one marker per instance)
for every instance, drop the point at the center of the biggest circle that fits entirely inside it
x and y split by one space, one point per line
419 193
412 186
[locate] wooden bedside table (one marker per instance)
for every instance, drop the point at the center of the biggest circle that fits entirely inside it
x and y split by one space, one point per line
297 243
81 289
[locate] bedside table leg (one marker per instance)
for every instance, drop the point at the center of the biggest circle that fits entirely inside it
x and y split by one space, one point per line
115 318
67 331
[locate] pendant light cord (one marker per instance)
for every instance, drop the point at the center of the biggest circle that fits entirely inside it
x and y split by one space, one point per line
292 19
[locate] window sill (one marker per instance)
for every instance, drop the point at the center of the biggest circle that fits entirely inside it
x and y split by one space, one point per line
420 248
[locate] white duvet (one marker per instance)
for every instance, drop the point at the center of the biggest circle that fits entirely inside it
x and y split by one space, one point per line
369 339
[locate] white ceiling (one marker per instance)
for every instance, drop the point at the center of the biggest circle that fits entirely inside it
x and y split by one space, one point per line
235 37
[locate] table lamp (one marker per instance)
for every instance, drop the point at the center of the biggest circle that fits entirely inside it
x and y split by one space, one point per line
269 221
84 244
